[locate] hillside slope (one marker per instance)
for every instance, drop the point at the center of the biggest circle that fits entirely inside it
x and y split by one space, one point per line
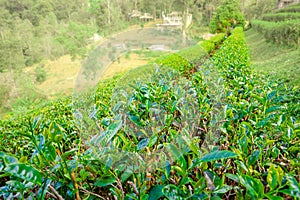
276 60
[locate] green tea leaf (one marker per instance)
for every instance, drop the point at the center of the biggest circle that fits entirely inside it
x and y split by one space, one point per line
294 189
272 109
270 197
271 95
254 187
217 155
143 143
274 177
232 177
136 120
173 192
253 157
156 192
222 190
105 181
7 158
24 172
177 155
111 131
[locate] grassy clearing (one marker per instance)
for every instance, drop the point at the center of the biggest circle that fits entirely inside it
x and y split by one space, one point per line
60 76
130 61
279 61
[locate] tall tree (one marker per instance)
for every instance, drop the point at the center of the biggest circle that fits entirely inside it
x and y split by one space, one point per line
227 16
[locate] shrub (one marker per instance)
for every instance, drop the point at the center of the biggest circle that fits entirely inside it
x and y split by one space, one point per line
189 58
293 8
40 74
226 16
276 17
285 32
212 43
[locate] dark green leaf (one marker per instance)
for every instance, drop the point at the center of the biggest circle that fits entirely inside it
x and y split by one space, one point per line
136 120
272 109
265 120
156 192
271 197
173 192
105 181
24 172
271 95
294 189
222 190
177 155
233 177
217 155
143 143
254 187
7 158
111 131
253 157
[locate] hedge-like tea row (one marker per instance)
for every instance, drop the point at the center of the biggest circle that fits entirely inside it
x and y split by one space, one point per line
259 118
276 17
292 8
186 59
285 32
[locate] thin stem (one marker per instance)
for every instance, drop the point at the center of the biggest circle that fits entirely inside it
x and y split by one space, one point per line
96 195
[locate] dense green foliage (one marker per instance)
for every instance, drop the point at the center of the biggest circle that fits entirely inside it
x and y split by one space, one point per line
253 9
221 132
281 27
279 61
189 58
275 17
284 32
292 8
31 31
226 17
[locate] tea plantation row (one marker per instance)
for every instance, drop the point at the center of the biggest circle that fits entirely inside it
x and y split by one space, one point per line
193 128
281 27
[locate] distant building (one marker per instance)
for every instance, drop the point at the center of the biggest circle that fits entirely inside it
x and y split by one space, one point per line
146 17
172 19
134 14
143 17
175 19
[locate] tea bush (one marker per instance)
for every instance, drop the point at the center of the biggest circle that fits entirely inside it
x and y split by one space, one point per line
285 32
254 112
276 17
292 8
187 59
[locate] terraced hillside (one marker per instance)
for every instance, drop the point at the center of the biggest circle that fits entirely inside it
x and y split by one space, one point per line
274 44
281 27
